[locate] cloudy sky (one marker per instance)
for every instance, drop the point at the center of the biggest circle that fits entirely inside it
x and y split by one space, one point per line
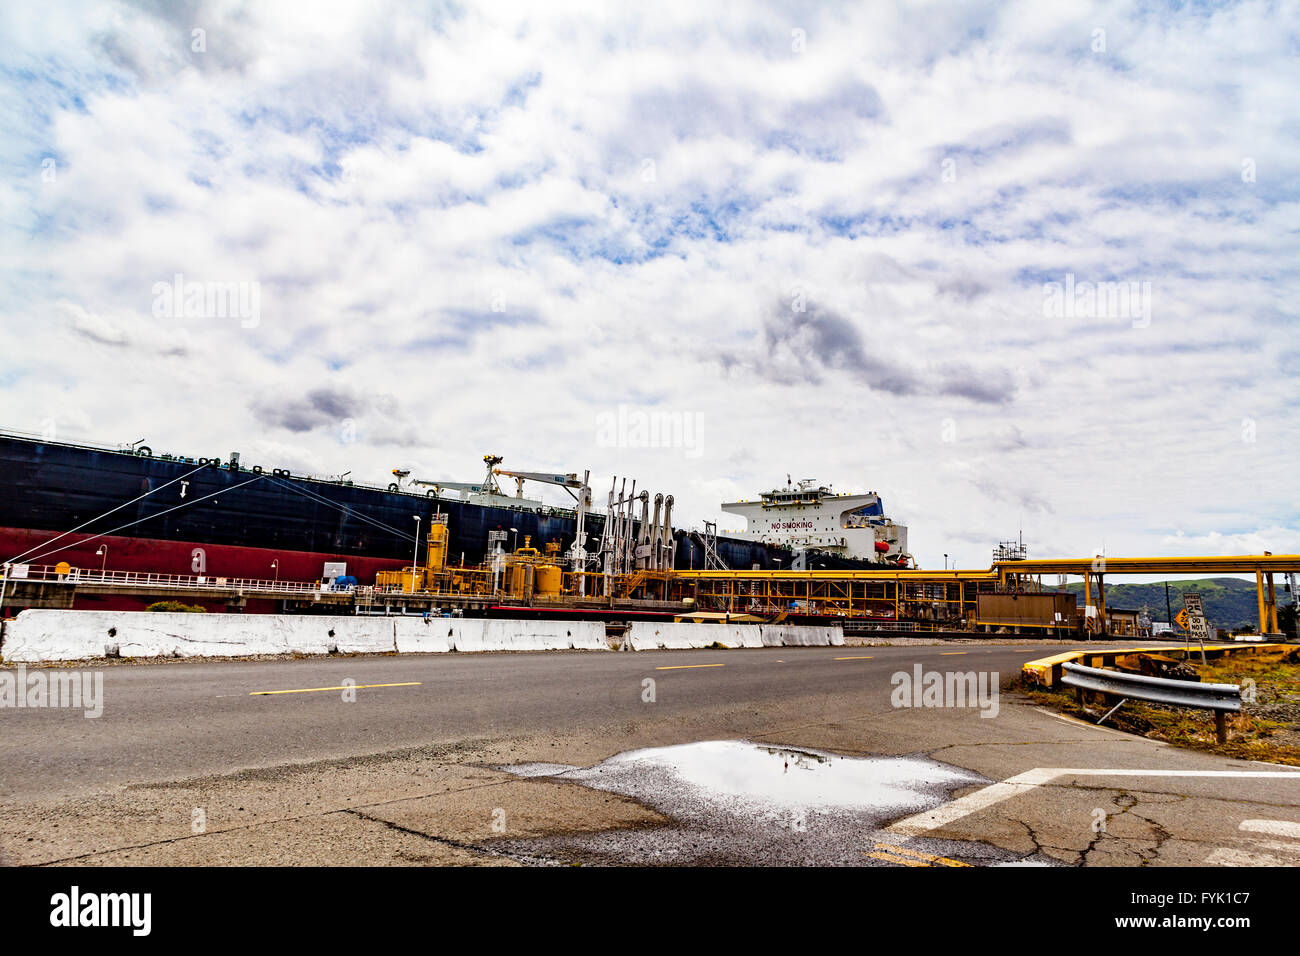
703 245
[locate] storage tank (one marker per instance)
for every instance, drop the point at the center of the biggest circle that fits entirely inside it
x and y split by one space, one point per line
517 579
548 580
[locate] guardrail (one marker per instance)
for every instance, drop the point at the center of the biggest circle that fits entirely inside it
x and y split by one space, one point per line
1220 698
87 577
1048 671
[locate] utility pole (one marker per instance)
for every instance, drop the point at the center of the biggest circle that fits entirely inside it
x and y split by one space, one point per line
1169 610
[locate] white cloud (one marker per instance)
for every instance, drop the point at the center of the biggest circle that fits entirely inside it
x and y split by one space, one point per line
451 208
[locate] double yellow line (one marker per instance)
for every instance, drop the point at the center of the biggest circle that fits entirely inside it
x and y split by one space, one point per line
905 857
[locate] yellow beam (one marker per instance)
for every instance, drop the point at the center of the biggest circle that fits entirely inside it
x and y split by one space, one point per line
1228 564
1263 605
1004 570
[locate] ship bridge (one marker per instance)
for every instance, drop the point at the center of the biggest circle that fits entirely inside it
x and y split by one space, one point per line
811 516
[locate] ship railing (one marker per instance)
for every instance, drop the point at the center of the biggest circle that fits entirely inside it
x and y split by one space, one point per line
135 579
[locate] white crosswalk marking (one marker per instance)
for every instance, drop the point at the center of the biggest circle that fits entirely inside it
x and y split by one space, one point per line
1226 856
1025 782
1276 827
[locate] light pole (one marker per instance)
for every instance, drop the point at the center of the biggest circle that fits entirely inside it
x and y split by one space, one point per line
275 566
415 558
103 550
513 532
945 560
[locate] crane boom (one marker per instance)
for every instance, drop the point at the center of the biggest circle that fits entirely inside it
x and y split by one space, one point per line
564 481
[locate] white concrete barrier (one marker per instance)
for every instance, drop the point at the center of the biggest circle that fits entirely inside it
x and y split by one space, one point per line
651 635
415 636
800 635
62 635
350 635
48 635
495 634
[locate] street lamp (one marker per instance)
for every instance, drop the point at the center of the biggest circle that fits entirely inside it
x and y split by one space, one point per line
275 566
103 550
513 532
415 559
945 560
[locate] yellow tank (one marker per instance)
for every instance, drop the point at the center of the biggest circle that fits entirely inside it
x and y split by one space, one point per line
548 580
408 579
517 579
436 544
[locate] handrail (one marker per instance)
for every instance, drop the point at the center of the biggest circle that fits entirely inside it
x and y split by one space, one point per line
50 573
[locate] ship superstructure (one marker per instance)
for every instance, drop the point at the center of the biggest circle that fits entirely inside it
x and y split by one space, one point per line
806 516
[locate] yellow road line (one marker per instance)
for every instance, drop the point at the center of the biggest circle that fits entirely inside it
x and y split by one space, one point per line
901 860
687 667
855 658
312 690
928 857
953 653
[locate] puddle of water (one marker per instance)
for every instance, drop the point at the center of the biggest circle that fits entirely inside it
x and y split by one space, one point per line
742 775
738 802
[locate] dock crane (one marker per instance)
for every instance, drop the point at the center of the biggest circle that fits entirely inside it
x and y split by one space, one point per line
567 482
488 486
577 553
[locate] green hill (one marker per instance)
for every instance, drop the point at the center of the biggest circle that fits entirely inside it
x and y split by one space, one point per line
1229 602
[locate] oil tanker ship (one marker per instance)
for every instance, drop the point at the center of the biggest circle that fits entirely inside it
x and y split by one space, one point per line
128 509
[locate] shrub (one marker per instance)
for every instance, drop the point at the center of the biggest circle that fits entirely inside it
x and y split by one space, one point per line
176 606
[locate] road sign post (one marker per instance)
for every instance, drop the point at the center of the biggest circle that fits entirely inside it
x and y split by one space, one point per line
1196 624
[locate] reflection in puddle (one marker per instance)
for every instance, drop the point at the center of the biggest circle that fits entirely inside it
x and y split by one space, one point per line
734 801
743 776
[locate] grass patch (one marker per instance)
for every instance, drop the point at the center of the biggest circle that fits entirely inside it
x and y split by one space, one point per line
1268 727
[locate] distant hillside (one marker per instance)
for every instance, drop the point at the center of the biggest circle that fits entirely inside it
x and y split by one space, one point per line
1229 602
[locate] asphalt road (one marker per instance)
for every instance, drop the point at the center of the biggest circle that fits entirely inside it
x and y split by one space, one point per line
410 773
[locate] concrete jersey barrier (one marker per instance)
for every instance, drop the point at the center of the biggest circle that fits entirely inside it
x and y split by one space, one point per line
63 635
493 634
648 635
651 635
800 635
66 635
60 635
